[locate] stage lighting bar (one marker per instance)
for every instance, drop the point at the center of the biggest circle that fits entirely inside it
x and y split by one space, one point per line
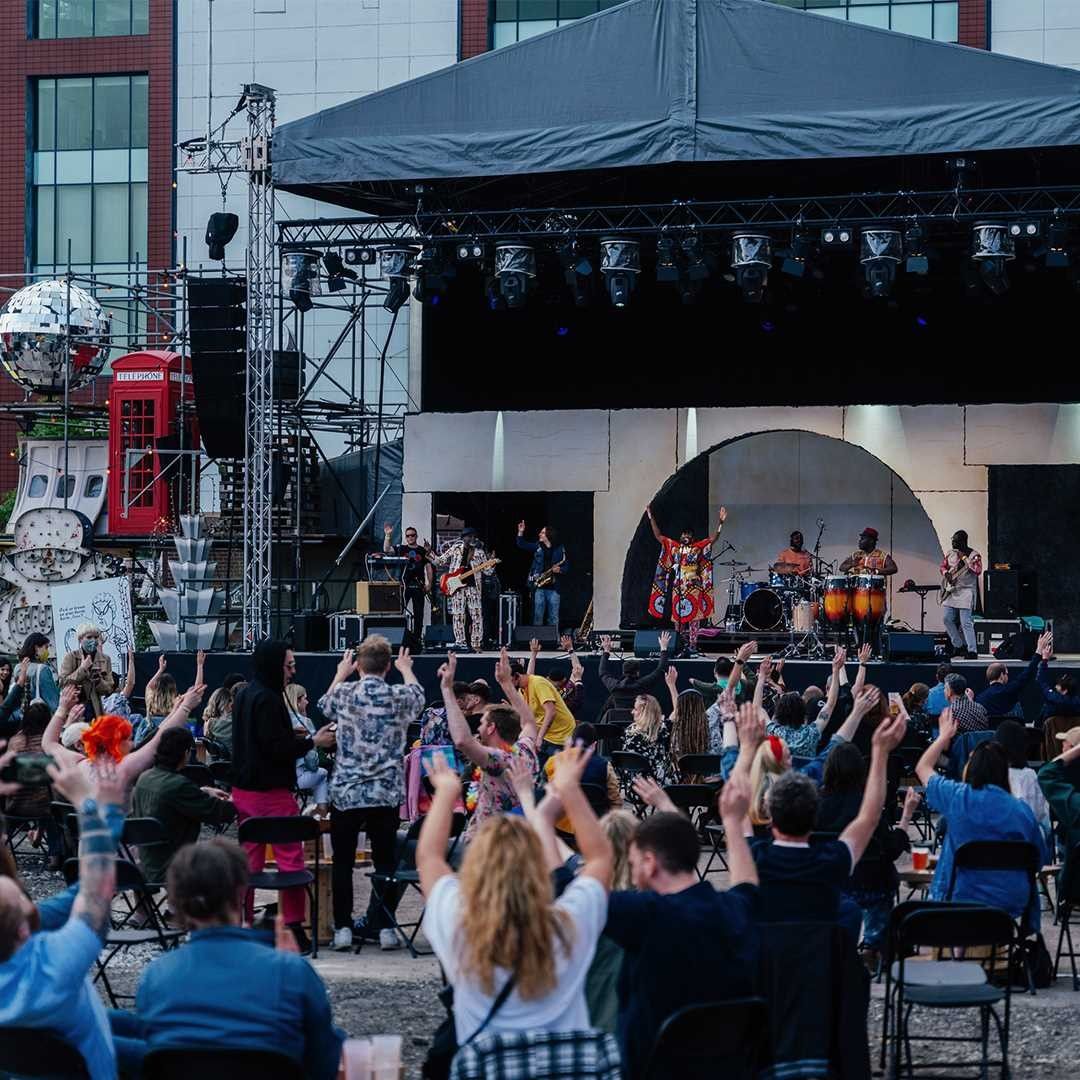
1024 230
336 272
1057 240
915 246
667 266
577 271
693 249
836 236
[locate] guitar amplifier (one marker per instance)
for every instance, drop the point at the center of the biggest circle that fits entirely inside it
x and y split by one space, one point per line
378 597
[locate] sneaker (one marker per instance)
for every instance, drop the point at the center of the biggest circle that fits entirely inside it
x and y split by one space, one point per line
389 939
971 655
364 932
303 942
342 939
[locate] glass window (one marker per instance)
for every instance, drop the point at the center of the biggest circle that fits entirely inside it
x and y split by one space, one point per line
112 112
75 18
73 222
139 125
112 18
946 22
878 15
913 19
111 223
93 486
505 33
531 29
88 18
39 484
74 114
138 230
45 128
531 10
45 239
140 16
62 483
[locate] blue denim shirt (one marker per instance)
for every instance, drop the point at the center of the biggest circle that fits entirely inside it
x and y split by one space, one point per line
558 554
935 701
230 987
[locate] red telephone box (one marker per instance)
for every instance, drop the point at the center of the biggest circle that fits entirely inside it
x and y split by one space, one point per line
144 414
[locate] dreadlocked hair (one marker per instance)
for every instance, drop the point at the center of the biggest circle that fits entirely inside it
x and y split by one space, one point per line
689 730
508 917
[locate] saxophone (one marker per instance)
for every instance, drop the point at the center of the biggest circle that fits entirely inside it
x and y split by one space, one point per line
548 576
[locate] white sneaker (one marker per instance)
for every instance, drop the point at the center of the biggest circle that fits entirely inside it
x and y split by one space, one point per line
343 939
389 939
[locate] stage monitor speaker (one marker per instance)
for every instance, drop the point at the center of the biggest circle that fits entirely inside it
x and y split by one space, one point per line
394 634
311 633
1019 646
904 646
548 636
647 643
378 597
438 636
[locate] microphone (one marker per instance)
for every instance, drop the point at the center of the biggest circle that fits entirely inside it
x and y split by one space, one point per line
821 522
731 546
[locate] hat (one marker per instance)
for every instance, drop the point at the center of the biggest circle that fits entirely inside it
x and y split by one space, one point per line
72 735
870 531
1072 736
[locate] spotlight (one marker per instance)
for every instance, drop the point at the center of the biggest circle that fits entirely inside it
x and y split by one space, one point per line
336 273
620 263
300 278
836 237
360 256
577 272
1024 230
1057 241
694 250
667 269
880 252
220 229
992 246
914 244
394 265
432 275
515 268
801 249
470 252
751 258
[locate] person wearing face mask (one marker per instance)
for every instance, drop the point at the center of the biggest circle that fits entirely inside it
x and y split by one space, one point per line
88 667
41 676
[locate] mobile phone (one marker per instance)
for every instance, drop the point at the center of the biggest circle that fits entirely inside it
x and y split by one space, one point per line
427 754
27 770
894 704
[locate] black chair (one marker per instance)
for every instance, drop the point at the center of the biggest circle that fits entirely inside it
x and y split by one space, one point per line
715 833
218 751
692 1041
198 774
224 1064
1068 904
951 928
287 830
222 772
18 830
141 832
609 735
597 797
627 767
39 1053
705 765
618 716
59 809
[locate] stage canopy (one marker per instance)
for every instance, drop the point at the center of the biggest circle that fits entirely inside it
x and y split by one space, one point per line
678 83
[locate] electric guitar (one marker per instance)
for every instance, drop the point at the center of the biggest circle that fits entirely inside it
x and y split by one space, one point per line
949 578
450 583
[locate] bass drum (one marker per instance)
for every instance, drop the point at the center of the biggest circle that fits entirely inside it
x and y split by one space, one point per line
763 610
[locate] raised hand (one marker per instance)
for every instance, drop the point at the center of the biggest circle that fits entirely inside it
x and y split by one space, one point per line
864 655
521 528
947 726
387 528
889 734
605 642
346 666
521 776
75 716
534 646
502 668
839 659
750 722
68 696
664 640
566 643
403 661
1045 644
722 516
446 672
765 668
161 664
671 677
912 800
866 700
651 793
87 660
735 798
746 651
192 697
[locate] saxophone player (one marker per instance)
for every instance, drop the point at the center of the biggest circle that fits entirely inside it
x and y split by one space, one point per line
549 564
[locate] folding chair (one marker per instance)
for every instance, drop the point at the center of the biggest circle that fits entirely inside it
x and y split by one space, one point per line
715 834
953 928
39 1053
618 716
287 830
608 735
18 833
627 766
705 765
1068 903
222 772
198 774
220 1064
692 1041
698 802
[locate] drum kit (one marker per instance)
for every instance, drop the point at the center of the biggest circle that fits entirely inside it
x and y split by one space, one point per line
813 608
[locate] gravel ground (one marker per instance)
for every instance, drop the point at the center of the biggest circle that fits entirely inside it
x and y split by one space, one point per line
379 992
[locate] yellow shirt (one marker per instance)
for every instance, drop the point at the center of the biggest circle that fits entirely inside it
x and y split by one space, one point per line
537 693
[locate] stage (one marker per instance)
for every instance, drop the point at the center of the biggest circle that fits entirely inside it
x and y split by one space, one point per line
315 670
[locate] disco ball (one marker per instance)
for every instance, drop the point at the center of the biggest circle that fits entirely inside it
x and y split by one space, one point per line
33 325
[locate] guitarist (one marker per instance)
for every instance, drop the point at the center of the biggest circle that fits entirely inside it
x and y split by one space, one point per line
545 575
466 552
960 572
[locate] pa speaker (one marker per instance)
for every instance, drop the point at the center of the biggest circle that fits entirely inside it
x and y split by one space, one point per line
1019 646
311 633
217 317
438 637
548 636
647 643
394 634
904 646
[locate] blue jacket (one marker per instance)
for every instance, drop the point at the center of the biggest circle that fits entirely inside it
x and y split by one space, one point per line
999 699
230 987
558 554
1055 704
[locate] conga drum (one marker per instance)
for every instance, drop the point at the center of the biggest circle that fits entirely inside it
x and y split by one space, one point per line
837 599
868 599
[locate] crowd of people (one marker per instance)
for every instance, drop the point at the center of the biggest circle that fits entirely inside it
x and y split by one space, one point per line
574 902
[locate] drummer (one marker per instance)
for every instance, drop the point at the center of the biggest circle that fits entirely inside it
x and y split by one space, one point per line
869 558
793 560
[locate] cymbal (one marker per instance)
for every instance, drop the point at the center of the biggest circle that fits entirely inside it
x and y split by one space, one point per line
757 569
732 562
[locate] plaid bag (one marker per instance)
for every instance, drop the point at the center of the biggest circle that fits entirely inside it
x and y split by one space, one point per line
539 1055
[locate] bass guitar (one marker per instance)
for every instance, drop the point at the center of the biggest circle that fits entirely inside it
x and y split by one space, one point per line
458 579
949 578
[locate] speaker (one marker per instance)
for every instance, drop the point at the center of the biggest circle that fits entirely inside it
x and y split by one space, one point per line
905 646
647 643
548 636
396 635
1019 646
382 597
438 636
311 633
1009 593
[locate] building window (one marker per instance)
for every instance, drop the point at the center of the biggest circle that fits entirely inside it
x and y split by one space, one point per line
88 18
516 20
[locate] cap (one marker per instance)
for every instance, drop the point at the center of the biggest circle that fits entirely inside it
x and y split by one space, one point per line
72 735
870 531
1072 736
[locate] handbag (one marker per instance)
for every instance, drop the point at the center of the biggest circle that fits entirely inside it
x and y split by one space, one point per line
444 1044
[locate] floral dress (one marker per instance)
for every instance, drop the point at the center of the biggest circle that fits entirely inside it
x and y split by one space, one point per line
657 754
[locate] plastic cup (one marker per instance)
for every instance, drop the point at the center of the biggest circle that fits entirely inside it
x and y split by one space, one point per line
385 1057
920 858
358 1059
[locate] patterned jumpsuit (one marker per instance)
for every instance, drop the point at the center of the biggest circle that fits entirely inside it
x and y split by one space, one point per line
467 598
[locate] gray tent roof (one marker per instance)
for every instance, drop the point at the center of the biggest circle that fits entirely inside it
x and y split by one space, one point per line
654 82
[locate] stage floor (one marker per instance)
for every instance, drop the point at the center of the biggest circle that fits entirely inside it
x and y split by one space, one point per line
315 671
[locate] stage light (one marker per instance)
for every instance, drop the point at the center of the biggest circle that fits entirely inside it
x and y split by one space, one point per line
360 256
1024 230
880 252
577 271
667 269
836 237
992 246
300 278
472 251
515 269
395 264
914 245
432 275
796 256
620 264
1057 241
694 250
336 273
751 258
220 229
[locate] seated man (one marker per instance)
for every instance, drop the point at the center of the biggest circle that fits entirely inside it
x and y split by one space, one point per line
1002 694
229 987
685 943
44 979
964 707
179 804
625 688
801 882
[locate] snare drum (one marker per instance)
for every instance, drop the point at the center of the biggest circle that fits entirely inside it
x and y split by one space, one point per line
803 616
868 599
837 599
763 610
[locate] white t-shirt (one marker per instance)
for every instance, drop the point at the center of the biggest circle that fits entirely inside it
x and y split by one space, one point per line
563 1009
1024 785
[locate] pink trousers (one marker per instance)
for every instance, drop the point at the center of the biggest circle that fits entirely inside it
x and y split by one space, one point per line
276 803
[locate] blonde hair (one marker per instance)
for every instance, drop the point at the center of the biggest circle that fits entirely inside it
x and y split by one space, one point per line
651 718
87 628
219 704
161 697
764 770
508 918
619 827
293 693
374 655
